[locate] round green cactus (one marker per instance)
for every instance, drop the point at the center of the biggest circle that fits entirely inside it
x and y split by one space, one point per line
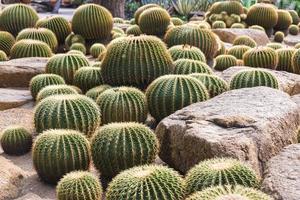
177 21
296 61
229 192
7 40
189 66
193 35
92 21
3 56
79 185
59 151
278 36
122 104
40 22
274 45
30 48
141 9
284 20
262 14
76 112
96 91
16 140
294 16
119 146
133 30
170 93
118 20
147 182
130 61
294 29
66 65
79 47
244 40
72 39
285 59
214 84
40 81
52 90
218 24
223 62
96 49
238 51
187 52
238 25
262 57
17 17
77 52
220 171
253 78
88 77
257 27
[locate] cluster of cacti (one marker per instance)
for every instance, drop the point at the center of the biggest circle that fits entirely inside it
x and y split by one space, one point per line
41 34
253 78
187 52
72 39
52 90
16 140
92 21
122 104
214 84
88 77
284 20
218 24
96 91
294 16
229 192
220 171
133 30
141 9
244 40
7 40
119 146
296 61
135 61
147 182
79 185
170 93
40 81
66 65
189 66
30 48
17 17
285 59
262 57
223 62
3 56
76 112
177 21
294 29
278 36
96 49
79 47
193 35
274 45
228 7
228 20
238 51
59 151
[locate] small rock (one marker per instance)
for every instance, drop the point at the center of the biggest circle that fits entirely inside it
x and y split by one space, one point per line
291 40
11 98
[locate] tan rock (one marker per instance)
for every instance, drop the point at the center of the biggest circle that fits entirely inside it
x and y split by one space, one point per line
291 40
30 196
11 98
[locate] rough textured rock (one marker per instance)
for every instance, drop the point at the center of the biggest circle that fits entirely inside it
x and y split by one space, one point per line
228 35
282 174
30 196
18 72
288 82
291 40
248 124
11 98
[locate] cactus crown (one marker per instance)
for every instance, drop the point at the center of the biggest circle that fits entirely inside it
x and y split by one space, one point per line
52 90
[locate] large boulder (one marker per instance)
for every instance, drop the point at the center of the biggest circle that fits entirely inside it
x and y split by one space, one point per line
291 40
11 98
18 72
250 124
282 176
288 82
228 35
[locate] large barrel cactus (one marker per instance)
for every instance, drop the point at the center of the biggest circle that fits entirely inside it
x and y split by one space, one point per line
262 57
96 91
147 182
238 51
76 112
17 17
52 90
223 62
141 9
284 20
135 61
187 52
189 66
296 61
57 152
285 62
92 21
170 93
7 40
120 146
88 77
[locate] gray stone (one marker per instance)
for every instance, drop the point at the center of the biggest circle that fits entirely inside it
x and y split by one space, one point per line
11 98
250 124
291 40
282 175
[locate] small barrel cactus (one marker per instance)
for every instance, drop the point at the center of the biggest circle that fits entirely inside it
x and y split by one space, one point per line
262 57
52 90
72 39
141 9
284 20
122 104
187 52
117 30
79 47
17 17
7 40
75 52
238 51
294 29
66 65
92 21
133 30
296 61
76 112
222 49
294 16
223 62
30 48
244 40
16 140
88 77
119 146
218 24
229 192
59 151
278 36
40 81
147 182
238 25
96 49
253 78
257 27
285 59
3 56
189 66
297 46
96 91
177 21
118 20
220 171
274 45
170 93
